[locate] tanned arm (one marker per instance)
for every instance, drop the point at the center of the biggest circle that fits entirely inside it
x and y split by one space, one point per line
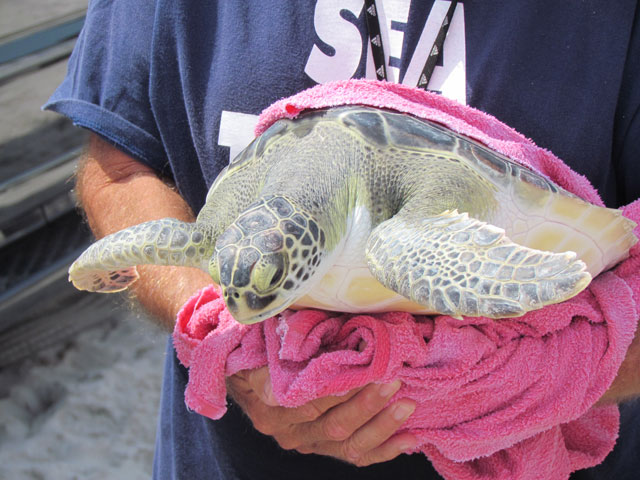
116 192
626 385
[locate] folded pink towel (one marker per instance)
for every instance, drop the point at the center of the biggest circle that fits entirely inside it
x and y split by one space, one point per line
495 399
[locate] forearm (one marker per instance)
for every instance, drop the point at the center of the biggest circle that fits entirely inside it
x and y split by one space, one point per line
627 383
117 191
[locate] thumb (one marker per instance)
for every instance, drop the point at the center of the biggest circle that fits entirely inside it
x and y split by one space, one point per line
260 382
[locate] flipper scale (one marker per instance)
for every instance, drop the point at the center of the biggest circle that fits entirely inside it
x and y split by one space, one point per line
109 265
457 265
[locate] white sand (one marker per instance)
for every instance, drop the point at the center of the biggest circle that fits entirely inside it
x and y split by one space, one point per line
86 409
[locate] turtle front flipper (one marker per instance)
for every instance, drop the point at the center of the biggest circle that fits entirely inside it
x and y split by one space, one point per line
457 265
109 265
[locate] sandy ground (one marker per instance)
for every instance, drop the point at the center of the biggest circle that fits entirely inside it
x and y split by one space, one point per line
86 409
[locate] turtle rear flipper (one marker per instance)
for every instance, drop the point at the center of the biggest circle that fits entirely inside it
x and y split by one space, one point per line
457 265
109 265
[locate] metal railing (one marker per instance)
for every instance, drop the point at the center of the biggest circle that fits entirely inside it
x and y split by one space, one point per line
36 197
30 48
41 232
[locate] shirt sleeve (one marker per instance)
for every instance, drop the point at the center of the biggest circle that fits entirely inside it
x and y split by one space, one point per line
626 149
106 89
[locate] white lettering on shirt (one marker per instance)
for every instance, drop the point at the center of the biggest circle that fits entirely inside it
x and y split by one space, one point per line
449 79
341 35
236 131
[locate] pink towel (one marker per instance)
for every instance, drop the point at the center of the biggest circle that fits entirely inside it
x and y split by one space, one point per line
495 399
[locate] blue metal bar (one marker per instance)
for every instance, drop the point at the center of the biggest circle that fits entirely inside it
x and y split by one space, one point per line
39 40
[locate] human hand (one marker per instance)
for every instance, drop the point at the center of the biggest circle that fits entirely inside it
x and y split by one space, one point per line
626 385
354 427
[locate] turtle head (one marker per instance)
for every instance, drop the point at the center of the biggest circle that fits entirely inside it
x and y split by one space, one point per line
267 259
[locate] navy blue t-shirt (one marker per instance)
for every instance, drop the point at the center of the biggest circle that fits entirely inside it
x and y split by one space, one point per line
178 85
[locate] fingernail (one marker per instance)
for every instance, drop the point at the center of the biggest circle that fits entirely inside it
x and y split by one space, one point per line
389 389
408 444
401 411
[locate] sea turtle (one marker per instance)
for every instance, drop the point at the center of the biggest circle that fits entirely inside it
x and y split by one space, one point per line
358 209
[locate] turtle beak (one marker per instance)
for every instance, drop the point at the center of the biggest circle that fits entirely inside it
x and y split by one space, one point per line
247 316
248 308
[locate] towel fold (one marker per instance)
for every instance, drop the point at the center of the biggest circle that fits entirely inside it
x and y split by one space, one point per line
502 399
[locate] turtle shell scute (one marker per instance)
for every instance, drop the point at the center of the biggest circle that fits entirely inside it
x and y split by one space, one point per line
409 132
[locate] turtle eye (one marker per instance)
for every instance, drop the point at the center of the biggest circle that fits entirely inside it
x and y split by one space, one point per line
277 276
268 273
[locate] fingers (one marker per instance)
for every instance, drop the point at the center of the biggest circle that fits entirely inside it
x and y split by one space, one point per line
361 431
375 441
345 419
259 381
355 427
251 389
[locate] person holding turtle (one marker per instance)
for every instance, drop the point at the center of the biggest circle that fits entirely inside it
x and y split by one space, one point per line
171 91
